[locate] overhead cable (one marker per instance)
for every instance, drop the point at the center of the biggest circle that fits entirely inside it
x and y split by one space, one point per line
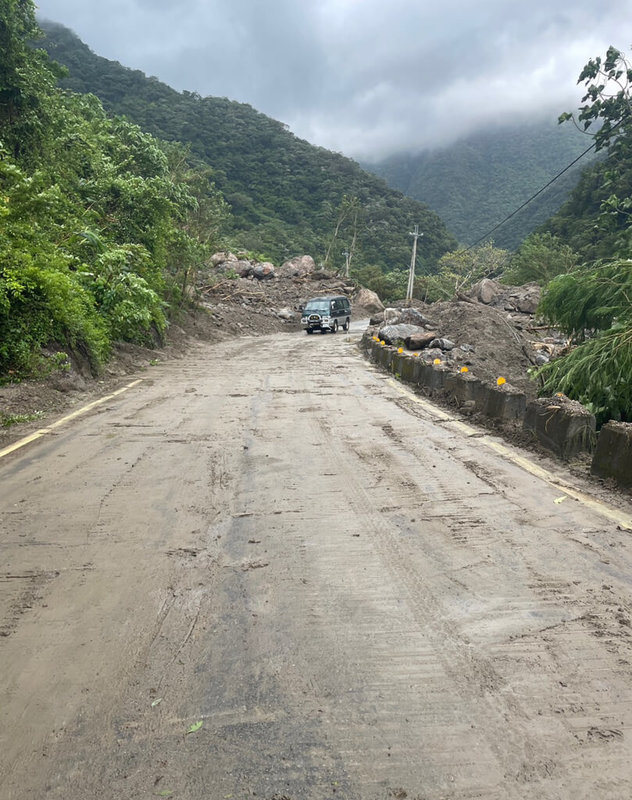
533 196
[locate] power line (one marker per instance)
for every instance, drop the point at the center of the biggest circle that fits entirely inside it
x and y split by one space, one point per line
533 196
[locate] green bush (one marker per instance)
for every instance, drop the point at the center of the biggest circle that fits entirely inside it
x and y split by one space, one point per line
594 308
99 221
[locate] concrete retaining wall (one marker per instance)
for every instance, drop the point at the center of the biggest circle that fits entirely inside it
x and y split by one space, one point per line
613 456
561 425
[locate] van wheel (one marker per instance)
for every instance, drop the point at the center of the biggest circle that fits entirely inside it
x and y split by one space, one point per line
335 328
345 327
309 330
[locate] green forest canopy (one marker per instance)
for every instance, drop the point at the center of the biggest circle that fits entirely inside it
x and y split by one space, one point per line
474 183
284 193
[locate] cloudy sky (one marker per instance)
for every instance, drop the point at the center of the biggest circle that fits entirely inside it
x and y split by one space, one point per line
363 77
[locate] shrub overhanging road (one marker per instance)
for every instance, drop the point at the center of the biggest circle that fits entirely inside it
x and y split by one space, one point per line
264 572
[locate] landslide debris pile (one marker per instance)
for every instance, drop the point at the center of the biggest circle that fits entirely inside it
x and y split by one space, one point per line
491 331
247 296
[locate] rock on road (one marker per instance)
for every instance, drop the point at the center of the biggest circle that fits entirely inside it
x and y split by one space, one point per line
266 572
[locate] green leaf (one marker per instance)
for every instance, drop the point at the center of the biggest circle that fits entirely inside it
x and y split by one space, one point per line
196 727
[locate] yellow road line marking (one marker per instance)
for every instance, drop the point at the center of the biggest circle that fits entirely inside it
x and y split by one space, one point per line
83 410
605 510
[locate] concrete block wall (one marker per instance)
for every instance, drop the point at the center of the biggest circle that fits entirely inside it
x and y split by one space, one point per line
613 456
562 426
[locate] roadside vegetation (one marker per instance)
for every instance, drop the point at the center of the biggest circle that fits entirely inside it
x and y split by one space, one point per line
582 257
593 301
102 224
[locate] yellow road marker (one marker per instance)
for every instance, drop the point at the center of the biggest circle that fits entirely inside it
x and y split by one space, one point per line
605 510
83 410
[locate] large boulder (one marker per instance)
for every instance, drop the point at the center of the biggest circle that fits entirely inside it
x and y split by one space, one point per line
369 301
486 291
443 344
526 299
263 271
391 316
242 268
413 316
420 340
234 267
392 334
298 267
222 257
406 316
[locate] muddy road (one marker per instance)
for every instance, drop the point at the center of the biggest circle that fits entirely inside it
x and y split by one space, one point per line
268 571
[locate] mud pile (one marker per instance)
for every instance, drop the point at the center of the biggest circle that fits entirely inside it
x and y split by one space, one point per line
500 345
249 305
492 331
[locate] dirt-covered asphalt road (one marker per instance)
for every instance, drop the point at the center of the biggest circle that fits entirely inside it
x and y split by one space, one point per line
267 571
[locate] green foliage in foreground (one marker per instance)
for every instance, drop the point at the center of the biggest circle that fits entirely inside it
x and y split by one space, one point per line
593 304
594 308
100 223
595 221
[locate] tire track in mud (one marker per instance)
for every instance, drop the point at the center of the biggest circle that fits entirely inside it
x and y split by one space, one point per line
527 759
468 683
338 612
376 745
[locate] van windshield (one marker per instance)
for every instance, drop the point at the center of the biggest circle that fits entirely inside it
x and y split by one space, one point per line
317 308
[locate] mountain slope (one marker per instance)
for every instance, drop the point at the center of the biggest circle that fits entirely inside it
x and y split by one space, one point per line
477 182
284 193
582 222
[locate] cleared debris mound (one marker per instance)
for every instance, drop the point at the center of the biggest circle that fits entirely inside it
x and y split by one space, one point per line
491 331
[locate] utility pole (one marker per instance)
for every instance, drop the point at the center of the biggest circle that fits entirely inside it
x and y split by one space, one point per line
346 254
411 275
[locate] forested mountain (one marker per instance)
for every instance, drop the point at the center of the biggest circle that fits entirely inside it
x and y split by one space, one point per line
593 224
478 181
286 195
